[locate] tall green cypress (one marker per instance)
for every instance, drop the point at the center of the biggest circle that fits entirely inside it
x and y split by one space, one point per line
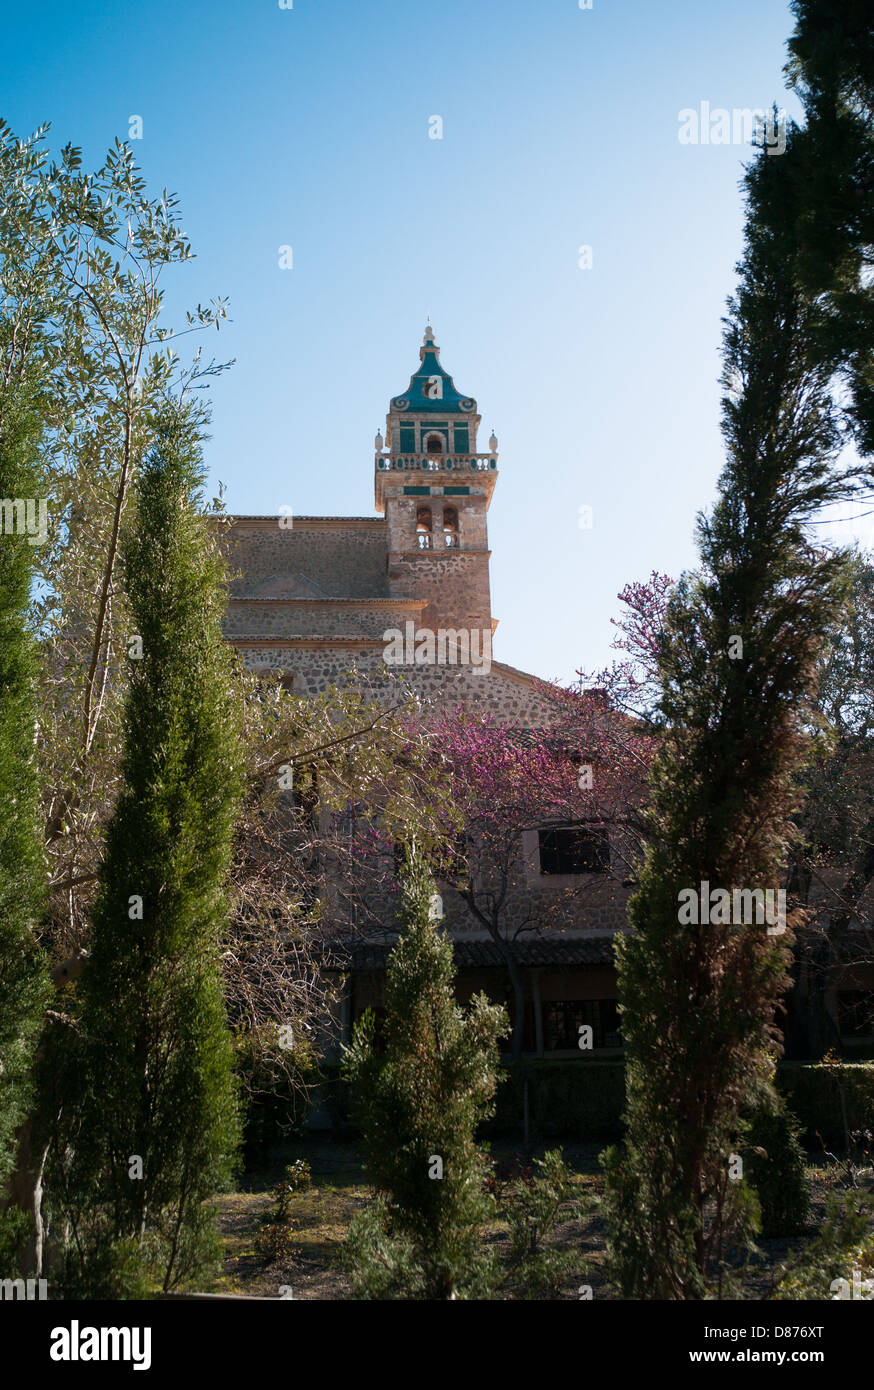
738 669
159 1126
23 978
419 1107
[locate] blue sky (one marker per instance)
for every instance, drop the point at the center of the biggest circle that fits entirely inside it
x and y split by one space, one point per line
309 127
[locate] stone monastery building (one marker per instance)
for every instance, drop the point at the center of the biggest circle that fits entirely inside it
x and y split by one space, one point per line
316 595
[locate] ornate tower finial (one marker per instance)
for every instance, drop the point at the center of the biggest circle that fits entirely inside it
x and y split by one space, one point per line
431 429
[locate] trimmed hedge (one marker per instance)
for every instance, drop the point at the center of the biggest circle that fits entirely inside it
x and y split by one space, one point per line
583 1099
566 1098
334 1095
813 1091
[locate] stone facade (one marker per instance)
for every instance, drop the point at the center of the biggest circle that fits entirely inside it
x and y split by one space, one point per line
316 597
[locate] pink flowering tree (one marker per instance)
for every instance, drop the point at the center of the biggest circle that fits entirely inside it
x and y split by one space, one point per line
585 765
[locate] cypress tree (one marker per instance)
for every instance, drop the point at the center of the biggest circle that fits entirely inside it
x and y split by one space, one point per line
159 1124
24 985
738 670
419 1106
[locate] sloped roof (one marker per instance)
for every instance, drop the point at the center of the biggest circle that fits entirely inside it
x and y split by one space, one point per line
542 951
450 402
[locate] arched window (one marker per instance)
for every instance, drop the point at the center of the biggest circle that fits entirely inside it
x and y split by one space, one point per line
450 528
434 444
423 528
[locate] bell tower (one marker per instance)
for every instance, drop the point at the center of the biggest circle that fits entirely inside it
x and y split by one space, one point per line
435 490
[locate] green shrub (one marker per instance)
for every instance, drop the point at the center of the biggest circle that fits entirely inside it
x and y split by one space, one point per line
540 1198
278 1099
843 1247
774 1167
16 1229
274 1242
109 1267
299 1175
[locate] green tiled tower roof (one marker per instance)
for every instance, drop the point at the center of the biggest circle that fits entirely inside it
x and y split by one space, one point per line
424 395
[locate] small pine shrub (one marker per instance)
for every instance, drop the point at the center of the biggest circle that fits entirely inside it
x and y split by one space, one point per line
533 1205
419 1107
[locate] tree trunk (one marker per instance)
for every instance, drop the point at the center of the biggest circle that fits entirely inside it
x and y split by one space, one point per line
25 1193
518 1006
25 1185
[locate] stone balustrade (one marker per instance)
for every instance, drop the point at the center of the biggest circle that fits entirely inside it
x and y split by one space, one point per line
437 463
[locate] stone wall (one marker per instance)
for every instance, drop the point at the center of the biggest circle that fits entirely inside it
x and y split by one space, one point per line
509 695
342 557
455 583
316 618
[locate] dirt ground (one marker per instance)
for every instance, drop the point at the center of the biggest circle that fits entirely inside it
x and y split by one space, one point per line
321 1218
